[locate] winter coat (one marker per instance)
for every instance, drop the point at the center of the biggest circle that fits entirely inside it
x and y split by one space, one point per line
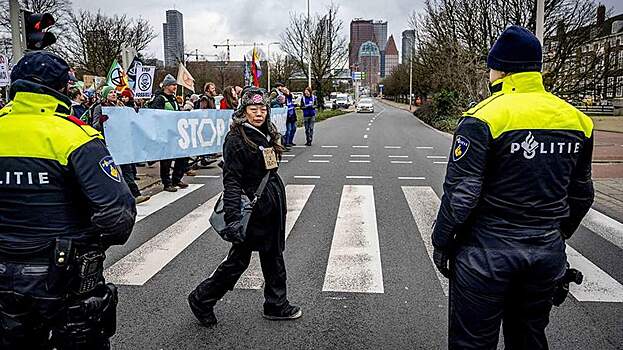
291 108
243 171
308 106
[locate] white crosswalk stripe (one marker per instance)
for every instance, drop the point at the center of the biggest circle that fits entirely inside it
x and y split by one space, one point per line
354 262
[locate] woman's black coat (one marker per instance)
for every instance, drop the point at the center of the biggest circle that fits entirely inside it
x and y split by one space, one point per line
243 170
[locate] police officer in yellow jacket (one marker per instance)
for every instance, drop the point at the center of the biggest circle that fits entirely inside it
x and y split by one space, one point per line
518 183
62 203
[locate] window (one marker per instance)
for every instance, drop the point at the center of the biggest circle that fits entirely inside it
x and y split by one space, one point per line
619 92
613 60
620 59
610 87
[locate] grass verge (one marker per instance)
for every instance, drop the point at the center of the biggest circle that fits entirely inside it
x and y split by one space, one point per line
322 115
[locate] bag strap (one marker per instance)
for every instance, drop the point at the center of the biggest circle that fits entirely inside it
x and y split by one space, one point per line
260 188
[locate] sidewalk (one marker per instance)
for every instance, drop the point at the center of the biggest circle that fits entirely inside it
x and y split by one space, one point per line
149 176
404 106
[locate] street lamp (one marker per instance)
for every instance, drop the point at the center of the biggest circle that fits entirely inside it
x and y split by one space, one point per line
540 19
268 61
309 70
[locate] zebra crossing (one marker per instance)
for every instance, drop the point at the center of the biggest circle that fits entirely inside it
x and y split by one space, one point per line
354 261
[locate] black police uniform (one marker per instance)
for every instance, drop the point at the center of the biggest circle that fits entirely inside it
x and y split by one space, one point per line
518 182
62 203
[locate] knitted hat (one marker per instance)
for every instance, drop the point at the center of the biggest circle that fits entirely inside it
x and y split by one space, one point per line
127 93
168 80
42 67
516 50
251 96
105 91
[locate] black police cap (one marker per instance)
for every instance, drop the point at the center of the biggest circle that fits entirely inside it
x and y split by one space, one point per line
42 67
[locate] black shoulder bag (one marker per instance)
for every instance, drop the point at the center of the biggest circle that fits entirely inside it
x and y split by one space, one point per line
217 219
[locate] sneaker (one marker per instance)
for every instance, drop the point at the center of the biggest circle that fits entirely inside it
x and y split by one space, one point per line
170 188
181 184
191 173
205 314
289 312
140 199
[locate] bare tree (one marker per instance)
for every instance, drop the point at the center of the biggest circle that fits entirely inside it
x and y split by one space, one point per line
321 39
96 40
282 67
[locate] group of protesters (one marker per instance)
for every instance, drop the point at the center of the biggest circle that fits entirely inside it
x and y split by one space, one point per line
87 106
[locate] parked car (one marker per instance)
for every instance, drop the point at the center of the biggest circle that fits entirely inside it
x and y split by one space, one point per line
341 101
328 104
365 105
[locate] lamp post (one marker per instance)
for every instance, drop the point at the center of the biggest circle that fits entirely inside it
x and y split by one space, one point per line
268 61
540 19
309 70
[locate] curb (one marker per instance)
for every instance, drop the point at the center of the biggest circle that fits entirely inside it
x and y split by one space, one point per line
446 134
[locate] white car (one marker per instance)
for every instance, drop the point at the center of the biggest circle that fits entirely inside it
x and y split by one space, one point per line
365 105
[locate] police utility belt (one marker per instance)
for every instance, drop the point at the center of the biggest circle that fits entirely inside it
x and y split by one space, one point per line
84 268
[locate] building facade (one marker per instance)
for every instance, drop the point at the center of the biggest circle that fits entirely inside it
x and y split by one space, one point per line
408 44
173 35
369 57
360 31
380 38
391 57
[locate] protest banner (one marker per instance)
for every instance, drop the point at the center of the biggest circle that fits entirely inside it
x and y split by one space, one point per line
4 71
154 134
144 80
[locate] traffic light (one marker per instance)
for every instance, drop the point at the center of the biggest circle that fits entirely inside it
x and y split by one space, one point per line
35 30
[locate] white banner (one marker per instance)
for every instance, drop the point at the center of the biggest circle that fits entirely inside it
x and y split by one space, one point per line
4 71
144 81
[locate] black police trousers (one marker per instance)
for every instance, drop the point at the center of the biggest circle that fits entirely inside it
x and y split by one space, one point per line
179 168
129 173
229 271
513 285
32 317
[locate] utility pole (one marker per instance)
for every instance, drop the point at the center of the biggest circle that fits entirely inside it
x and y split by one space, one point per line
410 81
309 53
268 62
16 37
540 20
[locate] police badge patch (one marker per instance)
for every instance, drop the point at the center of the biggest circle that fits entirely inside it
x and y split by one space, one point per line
110 168
461 145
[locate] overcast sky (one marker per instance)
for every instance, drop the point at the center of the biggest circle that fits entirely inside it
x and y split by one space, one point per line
212 22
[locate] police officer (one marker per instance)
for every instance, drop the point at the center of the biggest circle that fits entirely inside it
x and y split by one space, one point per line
518 183
63 202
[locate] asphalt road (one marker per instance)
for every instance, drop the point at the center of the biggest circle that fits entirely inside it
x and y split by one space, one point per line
357 256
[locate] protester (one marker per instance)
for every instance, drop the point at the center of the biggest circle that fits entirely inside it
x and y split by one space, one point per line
290 118
127 98
166 100
207 99
230 99
190 102
78 100
238 90
109 99
252 141
308 103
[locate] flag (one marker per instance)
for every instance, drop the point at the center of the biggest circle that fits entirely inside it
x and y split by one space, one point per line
256 69
185 79
136 62
116 77
247 75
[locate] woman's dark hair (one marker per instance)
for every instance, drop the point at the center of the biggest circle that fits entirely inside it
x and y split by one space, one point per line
230 98
275 136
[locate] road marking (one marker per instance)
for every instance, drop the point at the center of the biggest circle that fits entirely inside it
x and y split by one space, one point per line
317 161
398 156
424 147
401 162
359 161
597 285
299 146
360 146
207 176
393 147
283 161
288 155
355 258
297 196
322 155
365 136
360 156
369 124
604 226
144 262
440 162
161 200
328 146
367 129
306 177
358 177
411 178
437 157
424 204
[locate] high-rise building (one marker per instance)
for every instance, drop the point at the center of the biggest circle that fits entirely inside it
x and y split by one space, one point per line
391 56
369 57
380 38
408 43
173 34
360 31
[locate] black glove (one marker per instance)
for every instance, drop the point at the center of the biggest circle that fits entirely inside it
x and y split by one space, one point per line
233 233
441 258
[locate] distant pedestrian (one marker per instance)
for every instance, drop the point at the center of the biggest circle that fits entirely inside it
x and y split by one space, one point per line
290 118
250 152
166 100
308 105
